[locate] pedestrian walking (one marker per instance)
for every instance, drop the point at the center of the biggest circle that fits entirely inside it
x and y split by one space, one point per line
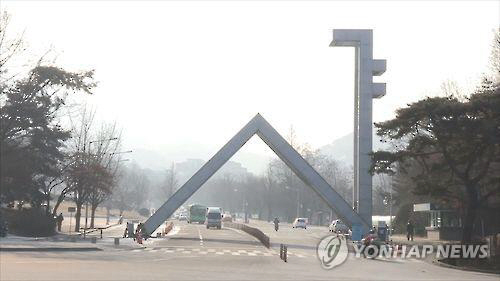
409 231
59 219
276 224
138 233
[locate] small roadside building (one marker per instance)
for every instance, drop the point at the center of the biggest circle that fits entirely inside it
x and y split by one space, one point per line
445 224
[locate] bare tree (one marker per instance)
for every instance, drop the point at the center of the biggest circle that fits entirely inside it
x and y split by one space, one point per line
171 182
107 157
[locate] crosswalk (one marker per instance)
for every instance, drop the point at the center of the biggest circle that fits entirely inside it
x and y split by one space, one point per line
218 252
175 251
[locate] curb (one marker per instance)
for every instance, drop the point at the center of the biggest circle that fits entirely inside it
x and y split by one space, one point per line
255 232
442 264
50 249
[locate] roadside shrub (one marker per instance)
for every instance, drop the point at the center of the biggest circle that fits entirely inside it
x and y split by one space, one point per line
30 222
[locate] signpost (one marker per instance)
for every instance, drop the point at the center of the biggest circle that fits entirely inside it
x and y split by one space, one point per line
71 210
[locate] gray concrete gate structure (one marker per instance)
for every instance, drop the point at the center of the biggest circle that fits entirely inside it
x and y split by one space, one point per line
365 90
258 125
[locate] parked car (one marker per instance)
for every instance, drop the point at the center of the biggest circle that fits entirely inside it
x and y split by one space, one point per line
183 217
300 222
338 226
227 218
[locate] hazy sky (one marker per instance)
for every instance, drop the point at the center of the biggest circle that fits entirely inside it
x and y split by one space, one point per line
190 74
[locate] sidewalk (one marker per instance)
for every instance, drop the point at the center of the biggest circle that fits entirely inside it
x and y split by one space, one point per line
401 239
64 241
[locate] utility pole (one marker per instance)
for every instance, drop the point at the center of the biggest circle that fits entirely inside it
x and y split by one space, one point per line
298 202
86 218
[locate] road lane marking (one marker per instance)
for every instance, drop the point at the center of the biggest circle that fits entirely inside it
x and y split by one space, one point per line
199 235
214 251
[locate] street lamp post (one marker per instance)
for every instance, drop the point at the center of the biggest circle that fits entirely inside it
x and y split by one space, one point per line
246 211
298 202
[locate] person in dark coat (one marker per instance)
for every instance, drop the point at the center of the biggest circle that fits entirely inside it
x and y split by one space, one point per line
60 219
409 231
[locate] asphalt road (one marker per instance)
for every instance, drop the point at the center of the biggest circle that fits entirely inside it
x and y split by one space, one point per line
192 252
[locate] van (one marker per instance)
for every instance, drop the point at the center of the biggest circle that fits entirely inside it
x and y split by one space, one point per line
214 217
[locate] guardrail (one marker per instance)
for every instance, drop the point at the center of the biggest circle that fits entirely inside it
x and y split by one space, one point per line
255 232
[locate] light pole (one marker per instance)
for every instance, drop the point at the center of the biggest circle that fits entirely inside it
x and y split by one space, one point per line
298 202
246 211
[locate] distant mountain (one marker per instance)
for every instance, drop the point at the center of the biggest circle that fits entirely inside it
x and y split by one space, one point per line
342 148
162 158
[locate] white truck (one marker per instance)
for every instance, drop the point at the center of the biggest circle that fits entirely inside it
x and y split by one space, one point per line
214 217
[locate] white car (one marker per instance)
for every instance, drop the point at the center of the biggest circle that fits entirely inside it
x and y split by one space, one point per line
183 217
338 226
300 222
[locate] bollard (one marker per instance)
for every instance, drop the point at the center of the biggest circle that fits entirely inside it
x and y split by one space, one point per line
117 241
285 255
101 233
93 240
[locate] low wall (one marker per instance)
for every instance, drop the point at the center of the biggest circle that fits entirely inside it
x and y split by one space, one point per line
255 232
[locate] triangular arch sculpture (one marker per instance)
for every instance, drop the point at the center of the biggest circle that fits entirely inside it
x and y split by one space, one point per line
258 125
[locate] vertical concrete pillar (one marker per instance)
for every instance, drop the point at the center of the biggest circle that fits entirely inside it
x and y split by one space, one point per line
365 127
355 198
364 92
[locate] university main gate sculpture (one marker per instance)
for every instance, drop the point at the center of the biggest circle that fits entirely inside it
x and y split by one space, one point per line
358 216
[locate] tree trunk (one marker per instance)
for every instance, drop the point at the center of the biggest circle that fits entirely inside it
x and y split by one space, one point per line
47 199
92 215
269 211
470 214
56 206
107 215
78 215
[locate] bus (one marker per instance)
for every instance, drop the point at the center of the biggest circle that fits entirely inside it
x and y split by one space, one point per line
197 213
